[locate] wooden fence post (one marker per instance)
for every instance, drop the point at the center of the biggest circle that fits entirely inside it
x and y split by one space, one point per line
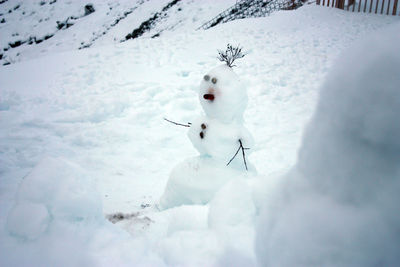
394 8
351 2
378 5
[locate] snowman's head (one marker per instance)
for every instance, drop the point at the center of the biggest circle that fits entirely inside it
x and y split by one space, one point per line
222 95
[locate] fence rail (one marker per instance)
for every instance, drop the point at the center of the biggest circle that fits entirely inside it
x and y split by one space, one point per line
388 7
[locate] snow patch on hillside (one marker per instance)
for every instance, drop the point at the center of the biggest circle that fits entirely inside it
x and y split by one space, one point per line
31 29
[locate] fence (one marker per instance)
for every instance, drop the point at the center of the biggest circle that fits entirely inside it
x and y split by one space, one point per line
250 9
388 7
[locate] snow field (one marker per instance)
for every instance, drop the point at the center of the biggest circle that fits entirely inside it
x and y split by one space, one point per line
36 20
103 108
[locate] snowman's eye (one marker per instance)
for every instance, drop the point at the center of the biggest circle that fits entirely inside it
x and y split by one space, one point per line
214 80
206 78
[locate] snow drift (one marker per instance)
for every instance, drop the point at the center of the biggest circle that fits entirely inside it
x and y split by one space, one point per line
339 204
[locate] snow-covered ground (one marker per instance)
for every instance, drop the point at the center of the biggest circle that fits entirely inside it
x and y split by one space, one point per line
72 117
31 29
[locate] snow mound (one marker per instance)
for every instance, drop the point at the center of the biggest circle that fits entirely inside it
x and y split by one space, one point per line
56 213
57 220
231 215
63 188
195 181
339 205
232 206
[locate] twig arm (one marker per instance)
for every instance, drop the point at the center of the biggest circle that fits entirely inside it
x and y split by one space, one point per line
234 156
243 154
180 124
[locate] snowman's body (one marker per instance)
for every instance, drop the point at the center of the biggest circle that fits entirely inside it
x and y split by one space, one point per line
217 136
220 141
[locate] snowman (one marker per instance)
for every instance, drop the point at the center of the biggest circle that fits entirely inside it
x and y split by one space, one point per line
219 136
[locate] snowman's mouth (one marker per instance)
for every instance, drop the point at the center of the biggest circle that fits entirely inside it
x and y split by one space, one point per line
209 97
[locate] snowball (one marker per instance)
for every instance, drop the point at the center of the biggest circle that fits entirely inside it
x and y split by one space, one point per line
232 205
235 258
231 216
222 95
28 220
187 218
339 205
195 181
221 141
189 248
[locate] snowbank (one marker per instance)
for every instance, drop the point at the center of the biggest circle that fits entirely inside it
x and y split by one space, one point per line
339 204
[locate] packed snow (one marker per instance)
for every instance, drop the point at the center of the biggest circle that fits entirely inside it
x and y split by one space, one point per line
339 204
85 154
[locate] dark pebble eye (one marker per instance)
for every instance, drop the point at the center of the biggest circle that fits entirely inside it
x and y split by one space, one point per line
203 126
206 78
214 80
201 135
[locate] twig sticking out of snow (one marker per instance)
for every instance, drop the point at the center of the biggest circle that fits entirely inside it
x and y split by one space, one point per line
244 155
180 124
230 55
